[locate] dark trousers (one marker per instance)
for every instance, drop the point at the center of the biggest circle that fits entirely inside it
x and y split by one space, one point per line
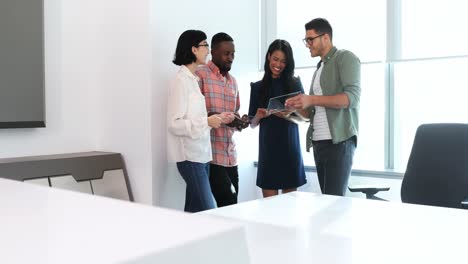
197 195
224 183
333 163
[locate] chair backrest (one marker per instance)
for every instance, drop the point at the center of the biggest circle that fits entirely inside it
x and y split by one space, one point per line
437 170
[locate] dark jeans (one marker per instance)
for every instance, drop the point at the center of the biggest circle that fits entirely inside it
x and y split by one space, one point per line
224 183
333 163
198 195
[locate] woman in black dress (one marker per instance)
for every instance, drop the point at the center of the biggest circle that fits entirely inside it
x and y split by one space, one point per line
280 165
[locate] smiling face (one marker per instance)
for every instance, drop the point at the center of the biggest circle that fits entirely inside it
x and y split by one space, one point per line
277 63
223 55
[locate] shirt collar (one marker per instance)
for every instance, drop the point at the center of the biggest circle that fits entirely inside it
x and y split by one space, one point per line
188 73
216 70
329 54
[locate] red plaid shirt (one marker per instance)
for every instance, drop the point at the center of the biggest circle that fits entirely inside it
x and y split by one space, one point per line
220 96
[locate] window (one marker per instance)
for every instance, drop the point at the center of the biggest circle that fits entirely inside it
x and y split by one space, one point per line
427 92
412 65
438 31
352 28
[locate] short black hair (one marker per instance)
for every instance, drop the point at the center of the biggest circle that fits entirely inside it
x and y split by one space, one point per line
321 26
218 38
188 39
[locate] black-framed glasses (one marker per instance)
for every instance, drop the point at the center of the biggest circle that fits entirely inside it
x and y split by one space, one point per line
310 40
204 45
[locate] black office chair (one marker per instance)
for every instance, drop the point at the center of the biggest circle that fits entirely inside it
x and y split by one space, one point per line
437 170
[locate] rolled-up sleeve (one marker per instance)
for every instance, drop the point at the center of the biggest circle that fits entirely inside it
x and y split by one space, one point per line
350 72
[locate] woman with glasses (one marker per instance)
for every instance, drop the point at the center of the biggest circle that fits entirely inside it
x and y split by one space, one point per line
188 122
280 165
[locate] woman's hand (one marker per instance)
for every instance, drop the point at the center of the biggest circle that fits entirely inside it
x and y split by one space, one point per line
227 117
215 121
261 113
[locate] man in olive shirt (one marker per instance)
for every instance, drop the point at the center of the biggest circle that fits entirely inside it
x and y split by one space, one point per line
332 106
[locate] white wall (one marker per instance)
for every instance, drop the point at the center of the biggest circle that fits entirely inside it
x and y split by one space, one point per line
240 19
98 78
122 46
69 92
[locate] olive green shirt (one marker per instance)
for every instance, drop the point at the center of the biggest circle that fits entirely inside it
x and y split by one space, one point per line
341 73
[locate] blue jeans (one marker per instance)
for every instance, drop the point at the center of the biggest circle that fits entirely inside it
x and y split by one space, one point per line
198 196
333 163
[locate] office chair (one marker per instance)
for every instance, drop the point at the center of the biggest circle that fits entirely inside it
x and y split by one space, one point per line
437 170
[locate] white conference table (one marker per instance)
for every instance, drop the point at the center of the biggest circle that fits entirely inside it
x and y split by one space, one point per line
312 228
47 225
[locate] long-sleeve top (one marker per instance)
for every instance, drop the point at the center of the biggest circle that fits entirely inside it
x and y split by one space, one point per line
188 136
341 73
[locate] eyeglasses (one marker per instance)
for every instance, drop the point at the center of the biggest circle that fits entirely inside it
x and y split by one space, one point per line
310 40
203 45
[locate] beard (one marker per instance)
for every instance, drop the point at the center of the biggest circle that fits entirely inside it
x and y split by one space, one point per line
225 68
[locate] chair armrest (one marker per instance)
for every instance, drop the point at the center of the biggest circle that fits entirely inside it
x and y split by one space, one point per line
369 190
464 203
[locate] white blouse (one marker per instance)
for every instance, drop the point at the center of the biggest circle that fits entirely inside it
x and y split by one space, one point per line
188 136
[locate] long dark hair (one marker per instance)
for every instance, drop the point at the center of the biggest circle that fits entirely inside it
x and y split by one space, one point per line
287 76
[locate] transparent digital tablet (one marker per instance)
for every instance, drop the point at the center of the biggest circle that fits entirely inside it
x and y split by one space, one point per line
276 104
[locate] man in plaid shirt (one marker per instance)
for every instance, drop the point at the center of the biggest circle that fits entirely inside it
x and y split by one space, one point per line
222 96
